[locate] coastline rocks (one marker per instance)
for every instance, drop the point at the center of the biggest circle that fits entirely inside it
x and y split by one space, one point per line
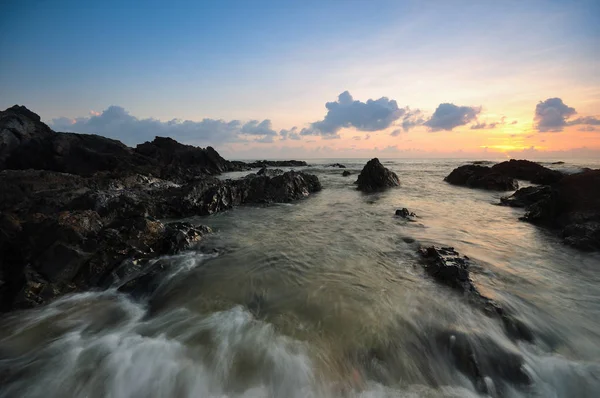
476 176
275 163
375 177
269 172
346 173
45 256
572 206
180 163
526 196
446 266
528 171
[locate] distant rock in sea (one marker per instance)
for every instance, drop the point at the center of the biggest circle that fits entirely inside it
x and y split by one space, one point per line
375 177
483 177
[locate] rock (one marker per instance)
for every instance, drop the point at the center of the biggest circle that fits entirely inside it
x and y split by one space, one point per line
559 162
405 213
276 163
47 256
526 196
27 143
475 176
339 165
446 266
269 172
346 173
182 163
375 177
528 171
478 357
571 206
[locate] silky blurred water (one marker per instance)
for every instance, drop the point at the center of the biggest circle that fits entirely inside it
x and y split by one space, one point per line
324 297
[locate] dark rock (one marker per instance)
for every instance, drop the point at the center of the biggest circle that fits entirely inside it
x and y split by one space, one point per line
572 206
75 251
276 163
478 357
446 266
528 171
375 177
405 213
526 196
339 165
269 172
181 163
559 162
346 173
474 176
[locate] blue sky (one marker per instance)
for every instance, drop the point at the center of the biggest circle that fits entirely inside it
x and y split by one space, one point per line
282 61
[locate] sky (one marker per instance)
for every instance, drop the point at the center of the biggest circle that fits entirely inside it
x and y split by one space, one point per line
313 79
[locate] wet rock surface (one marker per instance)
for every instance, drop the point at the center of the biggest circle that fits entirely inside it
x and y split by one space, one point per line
483 177
526 196
75 207
528 171
346 173
374 177
572 207
448 267
406 214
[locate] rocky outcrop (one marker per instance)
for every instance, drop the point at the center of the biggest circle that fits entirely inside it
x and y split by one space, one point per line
528 171
269 172
572 207
483 177
81 211
181 163
338 165
275 163
448 267
526 196
375 177
346 173
45 256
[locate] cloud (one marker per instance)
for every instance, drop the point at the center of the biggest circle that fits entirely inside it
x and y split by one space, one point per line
514 122
255 127
588 120
587 128
448 116
373 115
486 125
291 134
396 133
115 122
357 137
551 115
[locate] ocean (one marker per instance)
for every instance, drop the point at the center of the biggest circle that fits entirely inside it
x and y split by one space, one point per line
327 297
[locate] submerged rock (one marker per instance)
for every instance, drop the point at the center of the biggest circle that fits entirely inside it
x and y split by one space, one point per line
346 173
479 357
339 165
375 177
528 171
405 213
475 176
446 266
